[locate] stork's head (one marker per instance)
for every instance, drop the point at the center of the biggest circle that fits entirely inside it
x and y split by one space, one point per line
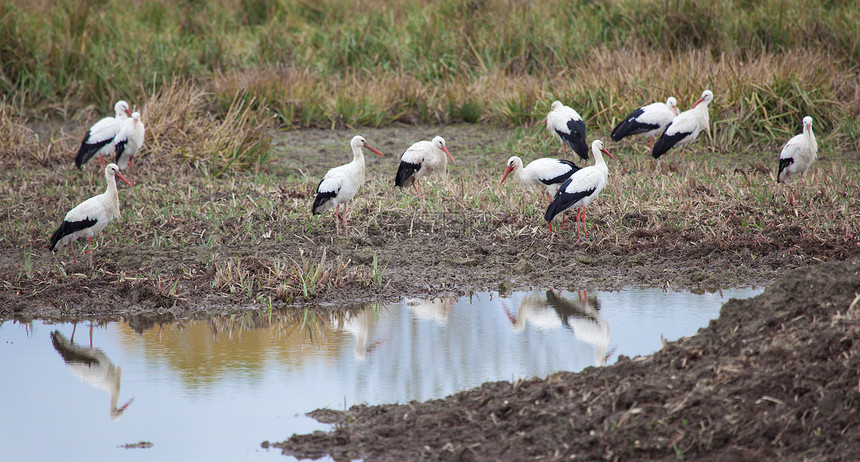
673 104
597 147
513 163
439 142
707 97
112 170
121 107
359 142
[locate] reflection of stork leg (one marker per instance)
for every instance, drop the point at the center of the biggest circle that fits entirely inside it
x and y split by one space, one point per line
91 334
511 317
74 326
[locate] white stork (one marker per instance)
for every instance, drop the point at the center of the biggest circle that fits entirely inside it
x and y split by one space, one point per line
90 216
340 184
128 142
581 188
685 128
423 160
546 172
648 120
566 124
98 139
797 155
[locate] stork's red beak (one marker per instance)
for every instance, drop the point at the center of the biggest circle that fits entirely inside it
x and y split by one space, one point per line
699 101
122 177
374 150
445 148
508 170
128 111
607 153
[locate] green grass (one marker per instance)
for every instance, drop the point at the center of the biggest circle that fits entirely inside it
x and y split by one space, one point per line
336 64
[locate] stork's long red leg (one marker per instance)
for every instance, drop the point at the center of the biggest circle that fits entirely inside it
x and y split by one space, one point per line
90 249
583 222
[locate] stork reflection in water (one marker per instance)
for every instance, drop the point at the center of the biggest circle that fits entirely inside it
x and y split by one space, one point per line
92 366
359 324
580 316
436 309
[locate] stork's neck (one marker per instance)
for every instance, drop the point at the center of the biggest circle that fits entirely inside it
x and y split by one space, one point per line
358 155
810 138
112 197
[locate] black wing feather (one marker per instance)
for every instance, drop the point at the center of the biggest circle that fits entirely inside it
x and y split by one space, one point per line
69 227
783 164
405 172
576 138
88 150
632 126
562 200
322 197
666 142
120 148
564 176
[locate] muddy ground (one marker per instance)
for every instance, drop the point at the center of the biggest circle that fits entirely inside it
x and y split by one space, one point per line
774 378
425 254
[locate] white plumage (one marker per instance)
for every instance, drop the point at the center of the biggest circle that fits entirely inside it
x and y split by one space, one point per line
648 120
341 183
90 216
128 141
581 188
685 128
797 155
423 159
98 139
566 124
546 172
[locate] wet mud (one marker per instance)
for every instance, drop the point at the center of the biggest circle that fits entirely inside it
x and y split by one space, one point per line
774 378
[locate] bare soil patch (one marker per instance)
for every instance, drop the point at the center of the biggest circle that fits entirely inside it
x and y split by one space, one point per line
774 378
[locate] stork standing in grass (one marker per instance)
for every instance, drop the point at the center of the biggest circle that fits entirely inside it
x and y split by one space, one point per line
797 155
341 183
566 124
90 216
648 120
128 142
100 136
685 128
423 160
546 172
581 188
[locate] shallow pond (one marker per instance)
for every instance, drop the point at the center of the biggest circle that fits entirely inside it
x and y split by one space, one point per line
214 389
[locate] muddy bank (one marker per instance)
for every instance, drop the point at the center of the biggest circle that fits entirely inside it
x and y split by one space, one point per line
422 256
774 378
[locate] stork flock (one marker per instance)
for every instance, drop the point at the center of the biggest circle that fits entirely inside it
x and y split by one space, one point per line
568 185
